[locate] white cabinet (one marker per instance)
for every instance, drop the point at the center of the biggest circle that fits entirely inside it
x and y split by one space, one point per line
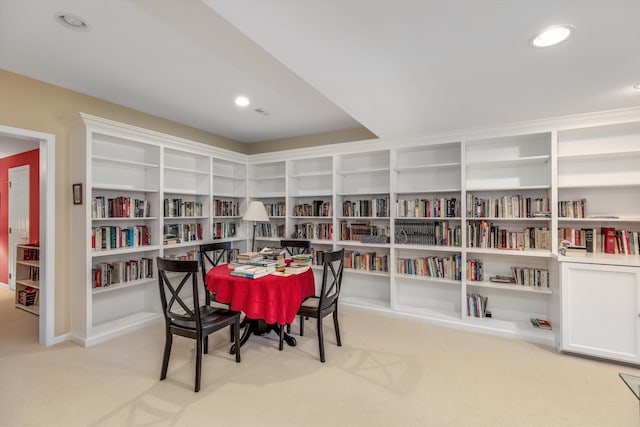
600 310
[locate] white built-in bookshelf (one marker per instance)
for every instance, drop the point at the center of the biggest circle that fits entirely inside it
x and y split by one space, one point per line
146 195
441 216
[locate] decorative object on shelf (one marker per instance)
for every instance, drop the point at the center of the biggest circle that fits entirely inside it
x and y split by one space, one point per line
256 213
77 194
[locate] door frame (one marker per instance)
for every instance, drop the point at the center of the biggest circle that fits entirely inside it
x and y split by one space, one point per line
11 238
47 145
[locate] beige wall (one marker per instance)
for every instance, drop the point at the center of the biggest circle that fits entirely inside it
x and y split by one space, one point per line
30 104
306 141
34 105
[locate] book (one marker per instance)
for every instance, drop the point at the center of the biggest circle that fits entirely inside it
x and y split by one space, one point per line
251 271
540 323
498 278
574 251
296 270
609 239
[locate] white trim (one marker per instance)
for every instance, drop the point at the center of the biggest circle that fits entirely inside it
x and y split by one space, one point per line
47 229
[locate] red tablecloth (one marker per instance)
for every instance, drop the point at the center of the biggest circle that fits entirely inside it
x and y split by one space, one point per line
274 299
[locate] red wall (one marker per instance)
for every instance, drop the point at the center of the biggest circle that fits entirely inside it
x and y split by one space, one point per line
31 158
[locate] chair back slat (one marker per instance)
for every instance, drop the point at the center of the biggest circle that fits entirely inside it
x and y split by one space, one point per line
212 254
173 298
296 247
331 278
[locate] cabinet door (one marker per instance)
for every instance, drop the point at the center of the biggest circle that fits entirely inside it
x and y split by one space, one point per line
600 309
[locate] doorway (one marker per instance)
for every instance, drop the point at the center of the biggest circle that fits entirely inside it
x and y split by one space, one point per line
46 236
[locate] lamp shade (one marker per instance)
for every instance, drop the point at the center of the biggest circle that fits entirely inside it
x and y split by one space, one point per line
256 212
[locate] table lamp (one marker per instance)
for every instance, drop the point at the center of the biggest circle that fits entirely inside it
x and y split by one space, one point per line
256 213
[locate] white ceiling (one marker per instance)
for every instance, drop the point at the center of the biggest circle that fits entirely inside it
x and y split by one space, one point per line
398 67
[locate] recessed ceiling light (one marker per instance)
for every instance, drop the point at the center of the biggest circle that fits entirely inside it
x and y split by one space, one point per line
636 86
552 36
242 101
72 21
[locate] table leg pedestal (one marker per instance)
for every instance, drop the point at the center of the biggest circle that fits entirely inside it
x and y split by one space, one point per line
260 327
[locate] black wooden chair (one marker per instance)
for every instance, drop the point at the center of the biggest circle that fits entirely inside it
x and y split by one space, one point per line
184 316
212 254
321 306
294 247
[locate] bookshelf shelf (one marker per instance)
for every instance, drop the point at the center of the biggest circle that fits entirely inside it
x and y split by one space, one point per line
522 161
123 162
510 287
119 286
430 279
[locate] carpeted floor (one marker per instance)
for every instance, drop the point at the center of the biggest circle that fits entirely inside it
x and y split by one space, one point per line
389 372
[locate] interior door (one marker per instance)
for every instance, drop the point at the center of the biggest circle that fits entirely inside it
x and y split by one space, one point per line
18 215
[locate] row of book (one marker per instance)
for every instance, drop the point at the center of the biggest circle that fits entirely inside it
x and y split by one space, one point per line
176 233
477 306
28 296
371 208
315 208
180 208
607 240
33 273
367 261
223 230
275 209
513 206
483 234
119 207
572 208
358 230
270 230
439 233
114 237
428 208
310 231
530 276
226 207
434 266
475 270
111 273
29 254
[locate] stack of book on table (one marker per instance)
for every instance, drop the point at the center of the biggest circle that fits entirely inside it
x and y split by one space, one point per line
299 264
276 255
252 271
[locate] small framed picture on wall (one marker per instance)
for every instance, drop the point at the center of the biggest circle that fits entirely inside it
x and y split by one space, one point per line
77 194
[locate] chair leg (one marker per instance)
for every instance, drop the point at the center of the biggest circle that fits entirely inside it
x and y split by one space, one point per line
231 333
280 344
206 345
235 328
320 339
198 362
165 356
335 324
301 326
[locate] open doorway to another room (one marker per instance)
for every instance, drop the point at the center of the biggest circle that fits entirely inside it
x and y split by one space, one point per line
27 157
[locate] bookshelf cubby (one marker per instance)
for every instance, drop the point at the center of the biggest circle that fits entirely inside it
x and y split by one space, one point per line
439 191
